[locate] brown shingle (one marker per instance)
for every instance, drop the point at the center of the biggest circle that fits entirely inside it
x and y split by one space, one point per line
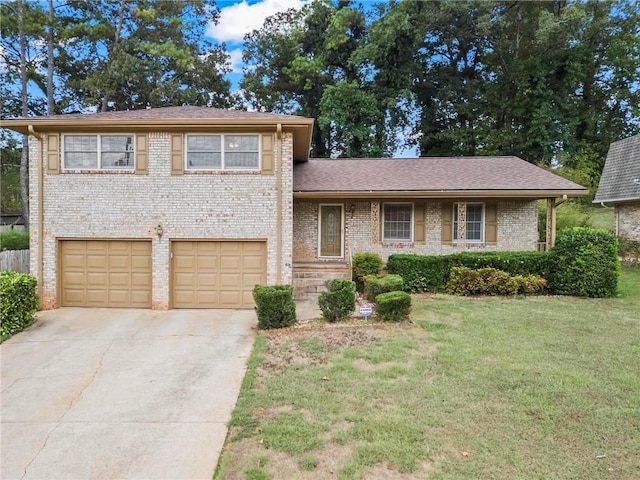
427 174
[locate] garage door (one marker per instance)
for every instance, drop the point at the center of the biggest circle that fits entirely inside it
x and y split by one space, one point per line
209 274
105 273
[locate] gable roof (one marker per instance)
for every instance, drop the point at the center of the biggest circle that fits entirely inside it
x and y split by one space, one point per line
430 177
183 118
620 180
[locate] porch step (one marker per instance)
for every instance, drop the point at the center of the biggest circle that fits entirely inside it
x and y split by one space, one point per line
309 277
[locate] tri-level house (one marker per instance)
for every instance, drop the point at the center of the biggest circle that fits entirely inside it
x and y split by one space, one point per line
190 207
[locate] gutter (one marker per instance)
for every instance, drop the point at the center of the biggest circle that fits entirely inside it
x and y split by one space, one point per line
531 194
40 277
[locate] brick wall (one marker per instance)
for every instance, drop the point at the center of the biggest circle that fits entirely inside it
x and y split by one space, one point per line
628 220
222 205
517 230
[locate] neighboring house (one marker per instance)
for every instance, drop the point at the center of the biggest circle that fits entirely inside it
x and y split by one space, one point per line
189 207
620 186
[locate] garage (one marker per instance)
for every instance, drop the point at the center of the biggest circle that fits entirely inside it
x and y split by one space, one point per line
216 274
105 273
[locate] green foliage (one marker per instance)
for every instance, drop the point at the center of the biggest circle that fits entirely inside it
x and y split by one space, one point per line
374 286
393 306
365 264
275 307
339 300
629 251
490 281
573 213
585 263
431 272
14 240
18 301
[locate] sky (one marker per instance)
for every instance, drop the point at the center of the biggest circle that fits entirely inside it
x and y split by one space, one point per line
239 17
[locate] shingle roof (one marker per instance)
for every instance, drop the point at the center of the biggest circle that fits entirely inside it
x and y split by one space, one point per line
169 113
428 174
620 178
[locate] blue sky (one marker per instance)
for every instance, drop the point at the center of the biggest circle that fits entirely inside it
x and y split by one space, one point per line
239 17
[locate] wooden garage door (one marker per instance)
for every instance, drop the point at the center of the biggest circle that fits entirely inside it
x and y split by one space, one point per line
105 273
208 274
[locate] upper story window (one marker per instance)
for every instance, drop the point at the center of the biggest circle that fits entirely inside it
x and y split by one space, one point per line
99 152
474 222
397 223
223 152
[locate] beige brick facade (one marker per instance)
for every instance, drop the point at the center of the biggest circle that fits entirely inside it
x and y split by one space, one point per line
218 205
516 230
628 220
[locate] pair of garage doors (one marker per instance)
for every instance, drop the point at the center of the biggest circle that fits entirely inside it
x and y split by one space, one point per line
117 273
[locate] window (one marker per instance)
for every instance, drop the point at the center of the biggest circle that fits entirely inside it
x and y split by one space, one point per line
223 152
397 222
99 152
475 222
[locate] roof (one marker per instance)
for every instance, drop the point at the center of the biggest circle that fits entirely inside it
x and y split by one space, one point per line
430 177
620 180
184 118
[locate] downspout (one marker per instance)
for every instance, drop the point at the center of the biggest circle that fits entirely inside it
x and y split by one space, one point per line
279 205
40 211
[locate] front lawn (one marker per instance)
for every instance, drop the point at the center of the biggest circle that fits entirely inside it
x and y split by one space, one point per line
544 387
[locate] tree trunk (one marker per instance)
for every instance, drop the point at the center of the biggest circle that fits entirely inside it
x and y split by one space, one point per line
50 101
24 161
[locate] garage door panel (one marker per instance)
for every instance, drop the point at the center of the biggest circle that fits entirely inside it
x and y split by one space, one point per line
105 273
220 274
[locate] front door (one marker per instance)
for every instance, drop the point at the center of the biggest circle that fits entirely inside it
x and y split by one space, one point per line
331 230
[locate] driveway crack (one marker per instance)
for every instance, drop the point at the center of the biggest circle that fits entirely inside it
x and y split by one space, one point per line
24 474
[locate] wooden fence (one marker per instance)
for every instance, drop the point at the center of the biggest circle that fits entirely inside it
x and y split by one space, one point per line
15 261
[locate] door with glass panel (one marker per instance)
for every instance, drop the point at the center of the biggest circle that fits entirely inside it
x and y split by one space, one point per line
331 230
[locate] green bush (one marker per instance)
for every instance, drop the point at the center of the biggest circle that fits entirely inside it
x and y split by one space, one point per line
431 272
585 263
629 251
14 240
275 307
490 281
365 264
339 300
18 301
374 286
393 306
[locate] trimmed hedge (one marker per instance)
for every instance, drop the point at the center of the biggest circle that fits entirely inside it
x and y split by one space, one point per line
490 281
275 307
585 263
14 240
339 300
431 272
374 286
393 306
18 301
363 265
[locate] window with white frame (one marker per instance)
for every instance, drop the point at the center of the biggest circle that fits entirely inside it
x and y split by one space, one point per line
223 152
397 223
99 152
474 222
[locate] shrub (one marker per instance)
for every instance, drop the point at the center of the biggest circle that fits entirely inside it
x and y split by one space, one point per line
364 264
585 263
393 306
629 251
431 273
18 301
374 286
490 281
14 240
339 300
275 307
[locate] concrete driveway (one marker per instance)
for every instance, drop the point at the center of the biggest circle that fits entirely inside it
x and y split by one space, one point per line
121 394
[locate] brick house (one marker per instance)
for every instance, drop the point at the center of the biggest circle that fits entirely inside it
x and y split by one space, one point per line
190 207
620 186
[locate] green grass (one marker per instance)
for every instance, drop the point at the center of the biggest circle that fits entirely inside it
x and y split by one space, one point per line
542 387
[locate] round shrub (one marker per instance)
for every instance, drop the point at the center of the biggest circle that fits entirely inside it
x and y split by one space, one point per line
275 307
585 263
18 301
364 264
339 300
393 306
374 286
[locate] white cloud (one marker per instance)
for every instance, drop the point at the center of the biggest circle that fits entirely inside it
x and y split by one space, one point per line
235 57
241 18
